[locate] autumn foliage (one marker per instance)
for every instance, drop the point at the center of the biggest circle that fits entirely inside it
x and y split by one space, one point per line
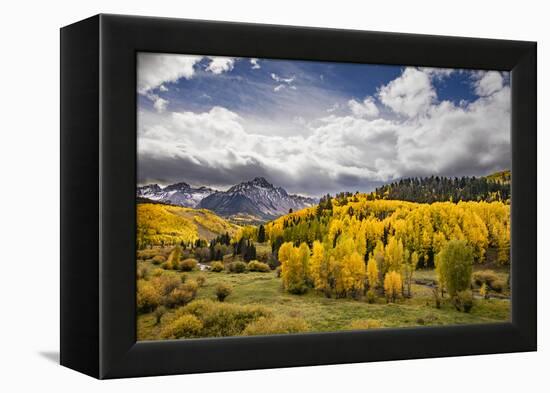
393 285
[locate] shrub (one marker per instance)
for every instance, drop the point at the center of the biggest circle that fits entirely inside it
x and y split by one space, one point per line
166 283
142 272
484 277
454 266
184 277
179 297
159 312
371 296
237 267
223 291
156 272
498 285
463 301
190 285
182 294
255 266
186 325
392 286
146 254
362 324
201 279
158 259
223 319
188 264
148 296
277 325
217 266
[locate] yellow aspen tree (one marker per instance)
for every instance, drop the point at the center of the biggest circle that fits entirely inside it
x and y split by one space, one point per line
352 278
294 267
378 255
319 268
392 286
372 273
393 256
409 267
285 251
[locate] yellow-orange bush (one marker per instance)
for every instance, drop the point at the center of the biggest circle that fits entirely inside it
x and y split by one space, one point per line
184 326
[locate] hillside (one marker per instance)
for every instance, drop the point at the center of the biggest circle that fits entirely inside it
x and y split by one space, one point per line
421 228
503 177
163 224
494 187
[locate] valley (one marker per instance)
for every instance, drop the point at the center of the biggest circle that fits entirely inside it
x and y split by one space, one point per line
348 261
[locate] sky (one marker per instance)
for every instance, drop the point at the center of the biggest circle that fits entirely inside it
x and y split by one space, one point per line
315 127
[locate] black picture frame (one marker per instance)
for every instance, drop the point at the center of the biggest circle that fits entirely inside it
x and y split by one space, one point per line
98 183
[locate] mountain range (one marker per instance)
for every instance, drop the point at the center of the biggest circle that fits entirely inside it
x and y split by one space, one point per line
256 199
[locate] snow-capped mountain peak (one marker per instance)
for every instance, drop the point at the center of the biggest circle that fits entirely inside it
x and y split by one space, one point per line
256 197
181 194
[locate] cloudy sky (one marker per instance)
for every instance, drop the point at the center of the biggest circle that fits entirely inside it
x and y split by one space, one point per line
315 127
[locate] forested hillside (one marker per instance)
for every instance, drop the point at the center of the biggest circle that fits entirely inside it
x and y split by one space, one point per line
159 224
417 227
495 187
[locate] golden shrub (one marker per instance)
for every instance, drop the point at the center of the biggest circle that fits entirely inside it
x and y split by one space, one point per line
217 266
184 326
188 264
223 291
256 266
276 325
148 296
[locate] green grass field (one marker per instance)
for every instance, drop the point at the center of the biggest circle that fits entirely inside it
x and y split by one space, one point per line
328 314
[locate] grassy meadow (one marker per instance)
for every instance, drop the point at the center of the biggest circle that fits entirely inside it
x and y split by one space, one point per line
328 314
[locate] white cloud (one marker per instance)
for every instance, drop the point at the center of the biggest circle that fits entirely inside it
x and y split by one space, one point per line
488 83
335 152
283 82
160 104
255 64
163 88
156 69
333 108
219 65
411 94
367 108
438 73
277 78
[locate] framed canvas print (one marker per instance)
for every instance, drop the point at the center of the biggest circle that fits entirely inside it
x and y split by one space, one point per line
239 196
